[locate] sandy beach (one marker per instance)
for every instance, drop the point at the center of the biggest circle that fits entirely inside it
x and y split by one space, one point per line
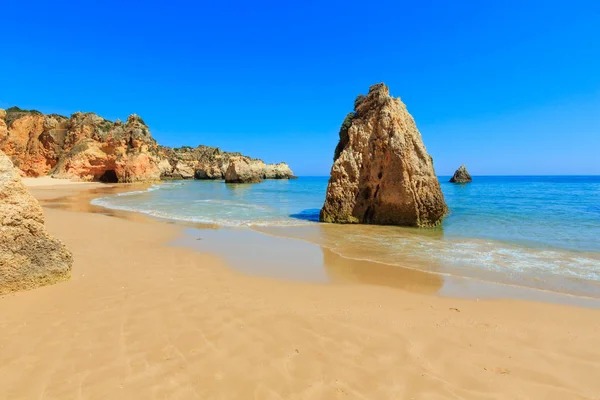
142 318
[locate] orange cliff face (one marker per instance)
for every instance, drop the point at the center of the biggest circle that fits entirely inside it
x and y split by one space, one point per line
30 141
98 149
83 147
87 147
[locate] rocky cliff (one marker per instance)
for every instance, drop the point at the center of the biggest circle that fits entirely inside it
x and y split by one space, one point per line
32 140
461 175
90 148
382 173
247 170
29 256
205 162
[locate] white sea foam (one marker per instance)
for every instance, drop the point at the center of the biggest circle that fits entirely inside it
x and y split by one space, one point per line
225 222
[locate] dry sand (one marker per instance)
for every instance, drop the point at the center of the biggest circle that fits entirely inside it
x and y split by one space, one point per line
48 181
144 320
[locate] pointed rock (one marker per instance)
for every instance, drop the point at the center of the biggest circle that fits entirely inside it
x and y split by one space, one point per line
382 173
461 175
29 256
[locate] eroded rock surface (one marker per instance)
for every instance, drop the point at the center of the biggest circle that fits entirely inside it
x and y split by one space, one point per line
382 173
29 256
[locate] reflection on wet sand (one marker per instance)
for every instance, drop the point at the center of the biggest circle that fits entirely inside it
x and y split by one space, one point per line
362 244
345 270
255 253
428 250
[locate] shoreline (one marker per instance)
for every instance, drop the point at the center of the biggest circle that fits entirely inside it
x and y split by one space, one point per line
348 270
480 285
142 318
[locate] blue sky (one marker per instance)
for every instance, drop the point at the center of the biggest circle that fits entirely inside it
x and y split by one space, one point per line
509 87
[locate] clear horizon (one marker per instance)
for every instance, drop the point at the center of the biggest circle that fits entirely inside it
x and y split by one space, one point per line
508 89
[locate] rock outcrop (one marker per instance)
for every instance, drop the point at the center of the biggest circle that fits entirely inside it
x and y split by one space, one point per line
243 170
278 171
212 163
31 139
29 256
83 147
461 176
100 150
90 148
203 162
382 173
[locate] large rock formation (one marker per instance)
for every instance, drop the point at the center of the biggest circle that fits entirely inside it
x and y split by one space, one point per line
83 147
242 170
382 173
29 256
90 148
98 149
461 176
32 140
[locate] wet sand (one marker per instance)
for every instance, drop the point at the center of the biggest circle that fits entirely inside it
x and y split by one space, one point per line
292 259
146 318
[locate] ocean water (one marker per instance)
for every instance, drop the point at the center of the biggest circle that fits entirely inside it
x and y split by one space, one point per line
538 231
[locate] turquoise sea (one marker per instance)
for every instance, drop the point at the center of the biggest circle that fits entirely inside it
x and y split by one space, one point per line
538 231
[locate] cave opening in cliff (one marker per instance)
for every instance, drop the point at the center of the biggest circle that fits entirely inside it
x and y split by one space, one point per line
109 176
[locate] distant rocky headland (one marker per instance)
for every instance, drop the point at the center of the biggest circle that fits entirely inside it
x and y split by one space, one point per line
88 147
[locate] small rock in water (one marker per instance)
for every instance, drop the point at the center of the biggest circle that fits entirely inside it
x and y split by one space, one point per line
461 176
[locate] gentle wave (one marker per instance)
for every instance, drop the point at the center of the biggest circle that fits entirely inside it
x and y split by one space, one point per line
479 254
133 193
105 202
568 272
220 207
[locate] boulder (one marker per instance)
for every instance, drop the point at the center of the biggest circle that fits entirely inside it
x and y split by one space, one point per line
461 176
382 173
29 256
244 170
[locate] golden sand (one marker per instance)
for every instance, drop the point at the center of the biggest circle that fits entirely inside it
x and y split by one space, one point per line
142 319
